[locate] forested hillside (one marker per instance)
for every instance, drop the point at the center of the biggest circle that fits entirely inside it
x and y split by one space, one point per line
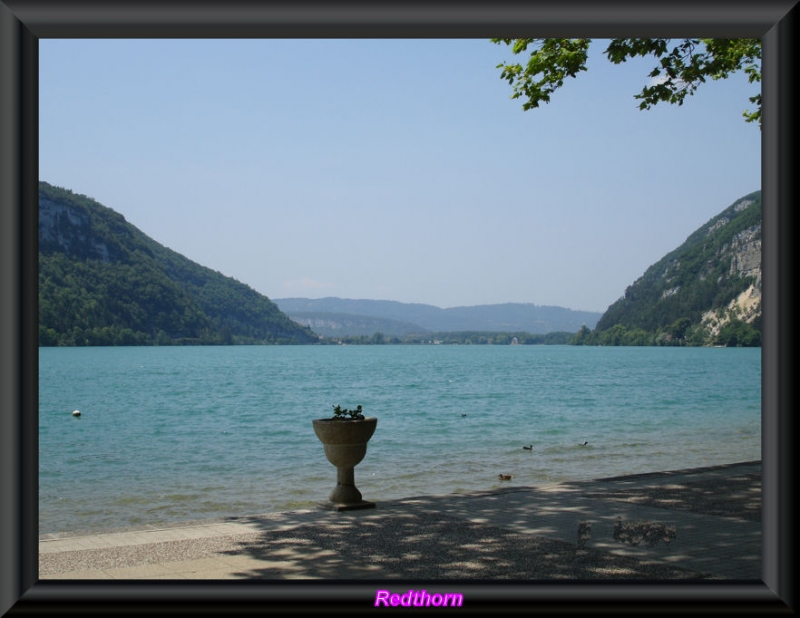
705 292
104 282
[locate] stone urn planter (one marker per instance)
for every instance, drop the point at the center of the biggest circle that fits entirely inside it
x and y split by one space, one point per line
345 438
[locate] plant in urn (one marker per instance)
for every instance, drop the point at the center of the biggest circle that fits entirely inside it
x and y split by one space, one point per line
345 437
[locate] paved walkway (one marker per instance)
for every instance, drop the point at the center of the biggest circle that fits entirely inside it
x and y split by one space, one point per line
564 531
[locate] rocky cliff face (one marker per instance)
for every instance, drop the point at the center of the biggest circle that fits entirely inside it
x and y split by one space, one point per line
68 229
745 252
713 279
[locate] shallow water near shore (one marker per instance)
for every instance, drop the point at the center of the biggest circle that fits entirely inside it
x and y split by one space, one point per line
185 433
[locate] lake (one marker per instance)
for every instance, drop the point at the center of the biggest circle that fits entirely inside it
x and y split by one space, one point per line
172 434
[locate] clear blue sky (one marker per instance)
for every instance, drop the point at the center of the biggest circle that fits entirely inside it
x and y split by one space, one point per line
391 169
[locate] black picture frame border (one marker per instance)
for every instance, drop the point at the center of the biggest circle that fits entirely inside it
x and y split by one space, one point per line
23 23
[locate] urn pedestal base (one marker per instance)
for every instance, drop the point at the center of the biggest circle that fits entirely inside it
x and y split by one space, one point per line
341 506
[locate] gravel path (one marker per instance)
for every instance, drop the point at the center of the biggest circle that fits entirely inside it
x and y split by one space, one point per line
425 538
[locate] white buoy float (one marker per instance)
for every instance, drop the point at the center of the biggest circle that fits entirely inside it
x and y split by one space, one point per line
76 413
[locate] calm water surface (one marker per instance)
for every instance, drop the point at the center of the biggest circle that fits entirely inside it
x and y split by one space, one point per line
171 434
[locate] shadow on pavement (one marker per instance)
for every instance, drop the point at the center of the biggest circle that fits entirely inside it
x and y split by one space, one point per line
434 547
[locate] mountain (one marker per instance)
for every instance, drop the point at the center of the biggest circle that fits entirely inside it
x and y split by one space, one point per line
353 325
705 292
104 282
332 317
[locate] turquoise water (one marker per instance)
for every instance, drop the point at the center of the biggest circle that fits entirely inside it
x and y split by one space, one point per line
182 433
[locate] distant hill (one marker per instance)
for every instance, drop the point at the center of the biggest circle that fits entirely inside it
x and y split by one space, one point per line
347 325
705 292
104 282
342 317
